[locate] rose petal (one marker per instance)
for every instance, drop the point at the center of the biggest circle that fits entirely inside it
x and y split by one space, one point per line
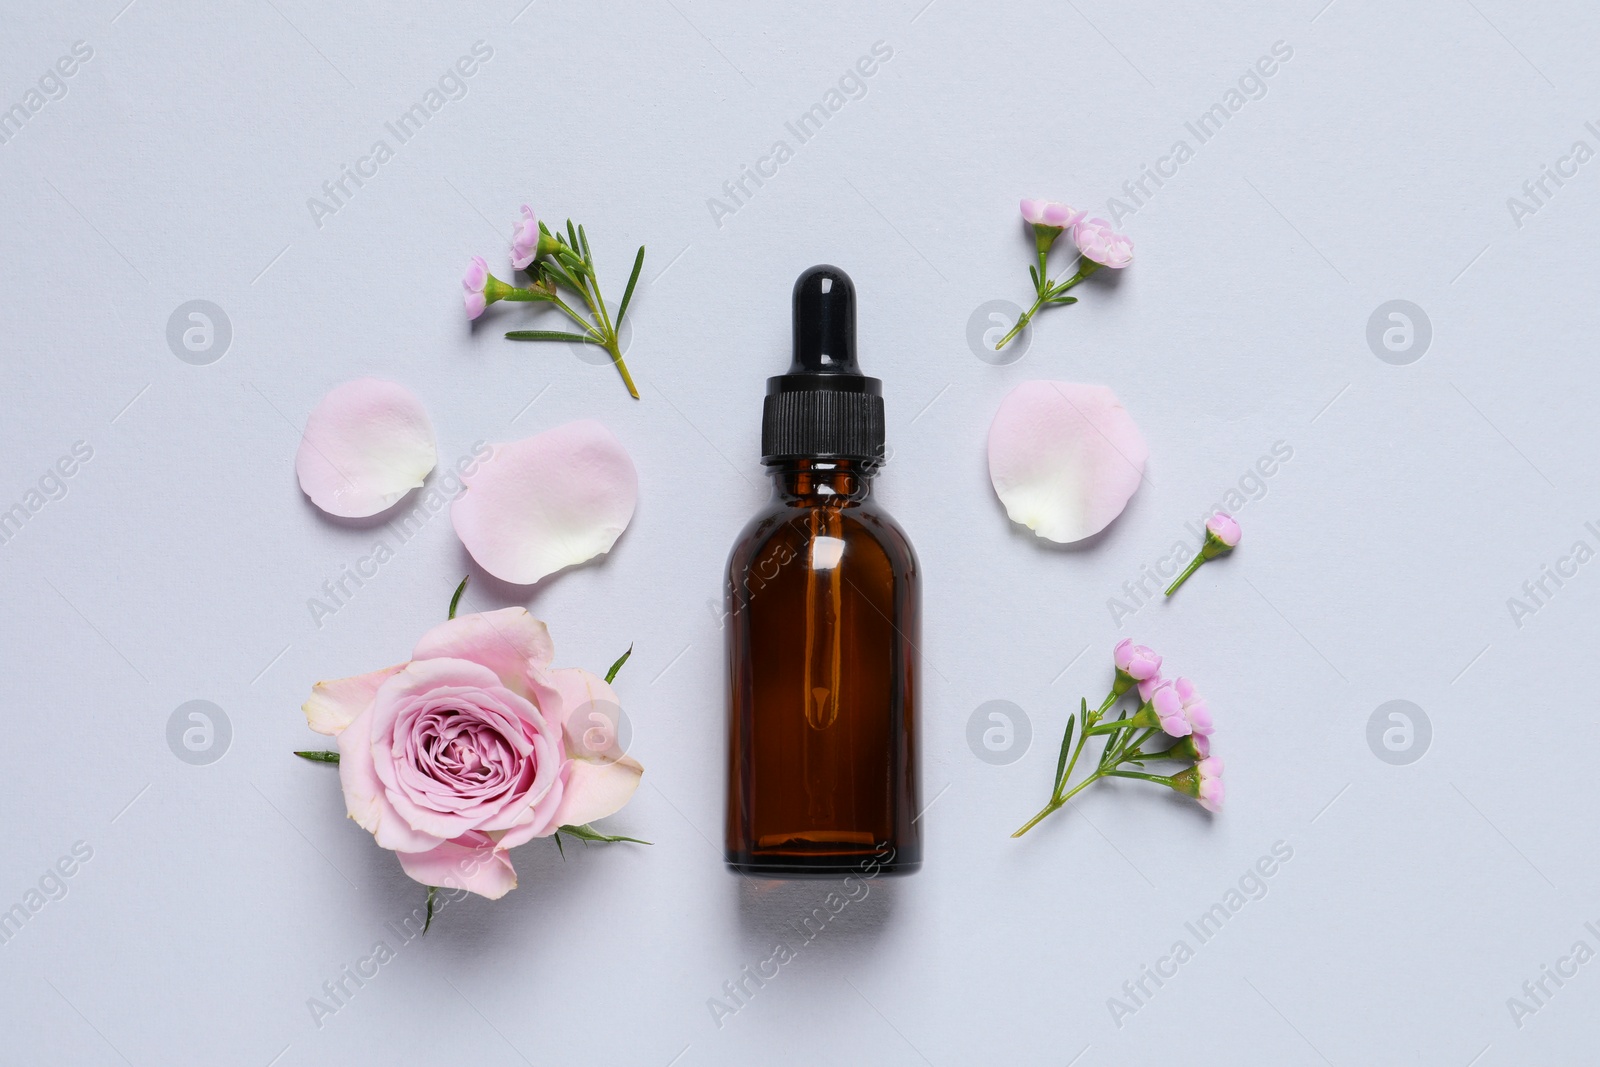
1064 458
595 790
472 862
547 502
508 641
595 787
364 797
335 704
388 723
537 820
366 444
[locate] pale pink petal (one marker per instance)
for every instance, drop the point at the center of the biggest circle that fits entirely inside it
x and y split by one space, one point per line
601 778
509 642
367 444
1064 458
364 797
1224 528
580 690
525 238
538 819
335 704
595 790
547 502
472 862
432 679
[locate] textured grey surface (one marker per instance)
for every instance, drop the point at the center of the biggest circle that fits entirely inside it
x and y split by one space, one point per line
177 562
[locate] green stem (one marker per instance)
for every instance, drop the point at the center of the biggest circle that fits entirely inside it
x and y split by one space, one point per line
1088 267
1072 761
588 327
622 368
1184 577
605 332
1156 778
1026 316
1056 805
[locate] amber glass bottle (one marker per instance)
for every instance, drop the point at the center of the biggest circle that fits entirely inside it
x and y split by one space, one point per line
823 612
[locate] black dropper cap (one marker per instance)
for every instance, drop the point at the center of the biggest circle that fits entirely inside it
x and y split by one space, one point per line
823 407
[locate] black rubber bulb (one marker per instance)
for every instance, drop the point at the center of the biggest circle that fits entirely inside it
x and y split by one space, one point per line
824 323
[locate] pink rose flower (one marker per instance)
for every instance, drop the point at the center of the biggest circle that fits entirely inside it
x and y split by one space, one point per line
1099 242
1223 527
525 239
473 747
473 283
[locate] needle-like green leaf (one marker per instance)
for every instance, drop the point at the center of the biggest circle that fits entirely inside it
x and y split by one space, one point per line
617 666
1066 744
589 833
456 600
432 889
549 335
627 294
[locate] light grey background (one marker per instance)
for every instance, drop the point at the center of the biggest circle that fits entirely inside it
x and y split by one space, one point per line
1377 565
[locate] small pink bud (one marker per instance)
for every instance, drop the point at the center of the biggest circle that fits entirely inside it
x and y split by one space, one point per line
473 282
1100 243
1222 534
1223 527
525 239
1168 707
1211 790
1195 711
1135 661
1203 781
1050 213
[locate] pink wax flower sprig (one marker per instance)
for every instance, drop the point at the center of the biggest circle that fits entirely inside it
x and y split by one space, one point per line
1098 246
1172 709
1222 537
555 263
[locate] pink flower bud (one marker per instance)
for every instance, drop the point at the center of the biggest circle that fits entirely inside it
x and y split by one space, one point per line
1211 790
1223 528
473 282
1168 707
1150 685
525 239
1100 243
1203 782
1135 661
1050 213
1195 711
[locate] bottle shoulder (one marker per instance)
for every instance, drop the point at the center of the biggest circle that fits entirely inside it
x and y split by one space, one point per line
864 526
